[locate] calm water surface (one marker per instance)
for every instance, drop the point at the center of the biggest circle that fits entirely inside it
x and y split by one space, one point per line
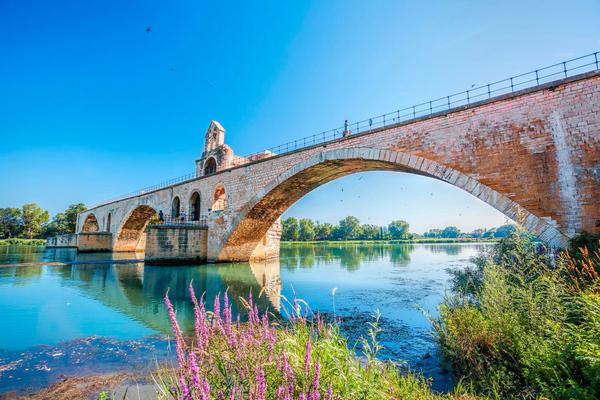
68 313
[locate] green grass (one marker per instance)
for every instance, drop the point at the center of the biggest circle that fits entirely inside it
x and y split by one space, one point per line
22 242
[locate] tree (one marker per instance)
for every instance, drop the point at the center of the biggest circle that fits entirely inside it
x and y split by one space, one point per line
307 230
451 232
33 218
477 233
398 229
11 224
370 232
64 222
433 233
289 230
324 231
349 228
505 230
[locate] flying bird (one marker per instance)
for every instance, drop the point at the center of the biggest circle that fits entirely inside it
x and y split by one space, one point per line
148 29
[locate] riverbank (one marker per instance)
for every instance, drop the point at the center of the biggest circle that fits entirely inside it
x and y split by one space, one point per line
396 241
22 242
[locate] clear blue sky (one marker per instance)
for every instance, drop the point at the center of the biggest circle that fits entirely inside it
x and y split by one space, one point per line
92 106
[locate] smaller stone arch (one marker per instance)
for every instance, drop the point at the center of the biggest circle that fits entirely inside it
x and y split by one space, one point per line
90 224
131 236
195 206
108 221
219 198
210 166
175 207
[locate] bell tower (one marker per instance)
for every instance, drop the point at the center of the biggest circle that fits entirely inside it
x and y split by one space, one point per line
215 136
217 155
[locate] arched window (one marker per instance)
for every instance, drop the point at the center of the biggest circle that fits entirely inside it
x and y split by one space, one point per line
175 207
195 206
210 166
219 198
108 223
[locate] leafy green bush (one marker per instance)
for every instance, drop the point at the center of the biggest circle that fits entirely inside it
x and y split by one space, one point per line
523 325
23 242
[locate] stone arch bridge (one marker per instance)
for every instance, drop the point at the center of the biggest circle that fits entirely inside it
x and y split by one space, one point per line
533 154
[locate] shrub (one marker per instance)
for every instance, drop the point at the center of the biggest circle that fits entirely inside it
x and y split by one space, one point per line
22 242
524 326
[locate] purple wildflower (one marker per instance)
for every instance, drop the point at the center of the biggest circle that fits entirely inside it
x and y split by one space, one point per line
193 367
205 394
307 357
329 394
315 385
261 384
227 313
185 391
217 312
200 327
179 343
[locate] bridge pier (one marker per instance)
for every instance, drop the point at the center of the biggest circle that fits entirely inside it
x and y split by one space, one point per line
94 242
83 242
176 244
250 248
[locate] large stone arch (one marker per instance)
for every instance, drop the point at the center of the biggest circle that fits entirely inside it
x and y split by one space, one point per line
131 235
253 220
90 224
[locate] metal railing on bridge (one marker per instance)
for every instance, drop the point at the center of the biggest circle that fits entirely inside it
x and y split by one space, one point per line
528 80
565 69
181 220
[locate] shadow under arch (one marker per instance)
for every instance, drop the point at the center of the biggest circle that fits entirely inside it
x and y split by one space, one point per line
131 235
261 212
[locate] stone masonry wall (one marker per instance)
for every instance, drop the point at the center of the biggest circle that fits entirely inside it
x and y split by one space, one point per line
175 244
69 240
96 241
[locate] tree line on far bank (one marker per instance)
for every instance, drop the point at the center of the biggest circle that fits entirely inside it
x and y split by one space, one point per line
350 228
30 221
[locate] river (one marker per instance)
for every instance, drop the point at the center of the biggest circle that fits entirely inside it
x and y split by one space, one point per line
65 313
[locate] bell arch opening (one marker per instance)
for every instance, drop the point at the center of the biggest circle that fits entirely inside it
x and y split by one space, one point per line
132 234
210 166
195 206
243 240
90 224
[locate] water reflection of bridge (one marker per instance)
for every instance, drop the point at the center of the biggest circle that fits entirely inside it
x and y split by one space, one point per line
138 291
123 283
